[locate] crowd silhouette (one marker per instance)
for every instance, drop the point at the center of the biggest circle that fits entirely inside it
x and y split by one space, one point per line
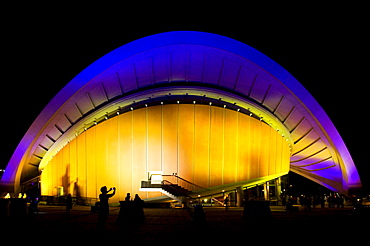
131 210
309 202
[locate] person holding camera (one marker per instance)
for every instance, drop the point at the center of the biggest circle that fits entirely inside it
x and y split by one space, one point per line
104 205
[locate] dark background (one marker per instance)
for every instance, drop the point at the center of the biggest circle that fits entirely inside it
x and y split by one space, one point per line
324 47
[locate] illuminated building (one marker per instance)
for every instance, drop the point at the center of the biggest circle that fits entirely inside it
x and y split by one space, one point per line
207 108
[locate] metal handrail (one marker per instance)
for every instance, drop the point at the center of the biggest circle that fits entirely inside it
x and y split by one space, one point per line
183 183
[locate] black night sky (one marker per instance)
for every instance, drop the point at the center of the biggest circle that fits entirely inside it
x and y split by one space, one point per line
324 47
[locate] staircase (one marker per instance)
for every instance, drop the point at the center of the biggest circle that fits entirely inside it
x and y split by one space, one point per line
174 191
172 196
183 191
171 187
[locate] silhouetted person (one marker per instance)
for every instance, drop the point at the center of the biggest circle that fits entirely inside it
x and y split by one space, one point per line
137 199
289 205
33 207
128 197
104 205
340 202
68 203
139 209
199 214
226 202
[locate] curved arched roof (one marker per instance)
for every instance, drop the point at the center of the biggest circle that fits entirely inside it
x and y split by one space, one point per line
190 63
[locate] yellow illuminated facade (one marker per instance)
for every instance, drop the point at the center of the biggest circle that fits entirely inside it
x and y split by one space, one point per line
206 145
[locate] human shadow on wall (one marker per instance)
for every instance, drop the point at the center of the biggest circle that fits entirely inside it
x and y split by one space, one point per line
66 180
77 193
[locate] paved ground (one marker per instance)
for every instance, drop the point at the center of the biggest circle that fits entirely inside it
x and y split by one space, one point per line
52 226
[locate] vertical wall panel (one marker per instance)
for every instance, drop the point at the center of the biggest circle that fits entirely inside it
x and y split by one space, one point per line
216 146
154 138
169 139
45 181
201 145
73 166
230 142
255 143
53 173
154 147
80 184
66 180
265 150
273 161
279 156
91 164
112 156
186 141
126 153
59 168
81 166
54 178
102 169
243 147
285 163
139 171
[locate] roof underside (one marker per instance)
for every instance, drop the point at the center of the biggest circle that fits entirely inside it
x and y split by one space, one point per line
200 64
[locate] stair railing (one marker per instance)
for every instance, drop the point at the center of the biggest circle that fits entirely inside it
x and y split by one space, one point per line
174 179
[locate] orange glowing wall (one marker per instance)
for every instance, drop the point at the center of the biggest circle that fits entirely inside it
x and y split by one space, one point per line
206 145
